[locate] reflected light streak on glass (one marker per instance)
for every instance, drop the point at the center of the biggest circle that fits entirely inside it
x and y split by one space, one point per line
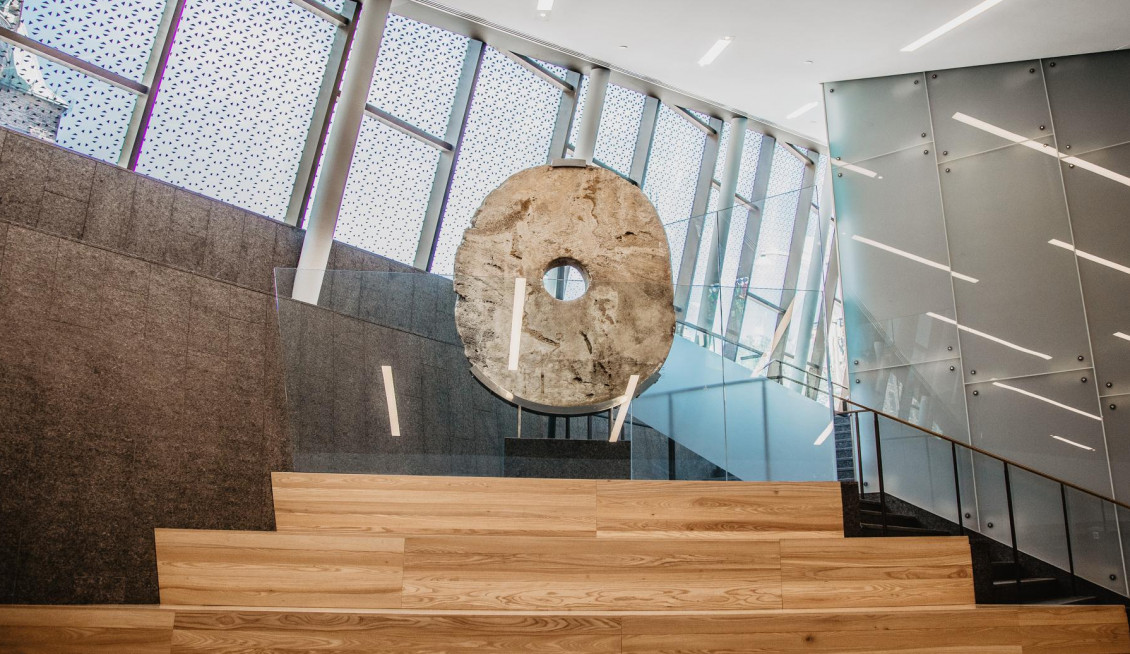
989 336
857 169
1047 400
516 320
914 257
1090 257
824 434
1070 442
390 399
1041 147
627 399
956 22
1122 336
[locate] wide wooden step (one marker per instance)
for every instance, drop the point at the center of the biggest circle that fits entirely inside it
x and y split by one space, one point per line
191 630
417 505
279 569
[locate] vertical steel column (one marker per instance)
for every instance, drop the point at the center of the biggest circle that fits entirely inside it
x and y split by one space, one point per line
830 288
566 114
154 74
340 144
697 219
796 253
590 117
812 284
644 137
749 239
445 169
320 121
727 189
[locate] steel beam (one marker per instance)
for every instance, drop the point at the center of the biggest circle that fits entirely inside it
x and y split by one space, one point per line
154 73
644 138
814 282
589 127
408 129
445 168
322 11
727 191
796 253
340 145
749 240
70 61
566 113
697 219
540 71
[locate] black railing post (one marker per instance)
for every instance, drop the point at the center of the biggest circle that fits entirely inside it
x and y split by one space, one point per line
879 465
858 451
1067 536
1012 530
957 490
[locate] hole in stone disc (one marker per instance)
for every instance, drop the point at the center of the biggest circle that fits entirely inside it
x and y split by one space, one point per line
565 280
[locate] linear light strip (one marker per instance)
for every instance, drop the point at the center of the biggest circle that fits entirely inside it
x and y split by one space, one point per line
825 434
390 400
914 257
1041 147
989 336
1048 400
516 321
963 18
1122 336
619 424
715 50
1090 257
802 110
1071 442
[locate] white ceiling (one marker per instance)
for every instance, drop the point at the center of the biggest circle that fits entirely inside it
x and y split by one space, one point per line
763 73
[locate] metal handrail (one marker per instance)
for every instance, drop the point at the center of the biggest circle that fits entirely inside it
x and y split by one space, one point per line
978 450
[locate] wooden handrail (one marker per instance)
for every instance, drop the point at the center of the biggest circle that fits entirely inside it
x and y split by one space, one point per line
978 450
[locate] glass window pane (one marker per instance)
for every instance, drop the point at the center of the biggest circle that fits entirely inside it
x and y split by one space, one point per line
387 192
509 128
777 220
113 34
230 122
417 73
672 168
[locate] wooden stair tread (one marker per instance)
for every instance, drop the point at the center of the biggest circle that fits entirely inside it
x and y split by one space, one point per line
418 505
908 630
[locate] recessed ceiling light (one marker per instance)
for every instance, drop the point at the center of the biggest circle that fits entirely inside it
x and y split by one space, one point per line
623 47
545 5
715 50
969 15
802 110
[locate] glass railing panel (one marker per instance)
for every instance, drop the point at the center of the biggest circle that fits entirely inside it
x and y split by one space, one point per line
1040 529
919 468
1095 542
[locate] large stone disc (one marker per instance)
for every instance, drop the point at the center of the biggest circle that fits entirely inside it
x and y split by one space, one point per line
574 356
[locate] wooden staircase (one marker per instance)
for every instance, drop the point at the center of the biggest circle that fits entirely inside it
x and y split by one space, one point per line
444 564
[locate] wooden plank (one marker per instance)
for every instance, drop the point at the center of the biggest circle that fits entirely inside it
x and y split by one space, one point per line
66 629
275 569
1074 630
239 632
909 629
576 574
418 505
714 510
875 572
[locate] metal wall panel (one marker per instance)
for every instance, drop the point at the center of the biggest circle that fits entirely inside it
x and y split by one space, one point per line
872 117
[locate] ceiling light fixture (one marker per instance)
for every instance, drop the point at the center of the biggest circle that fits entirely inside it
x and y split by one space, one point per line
969 15
1069 442
802 110
1090 257
989 336
914 257
1048 400
715 50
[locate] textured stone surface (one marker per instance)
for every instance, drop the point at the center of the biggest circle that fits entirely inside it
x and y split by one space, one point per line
578 355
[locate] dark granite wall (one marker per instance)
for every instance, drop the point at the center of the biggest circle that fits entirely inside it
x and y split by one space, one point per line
140 372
